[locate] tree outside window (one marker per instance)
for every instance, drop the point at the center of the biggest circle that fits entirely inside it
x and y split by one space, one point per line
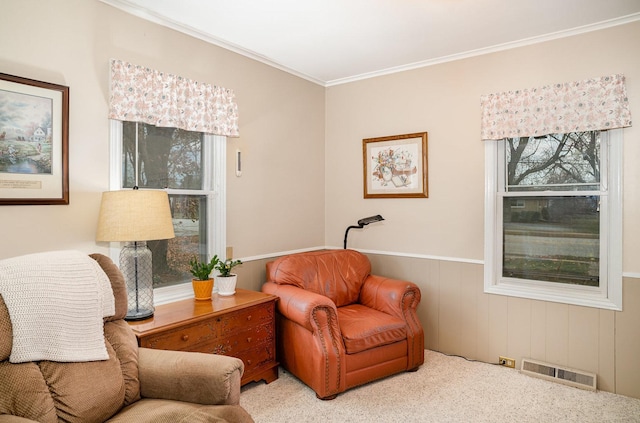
171 159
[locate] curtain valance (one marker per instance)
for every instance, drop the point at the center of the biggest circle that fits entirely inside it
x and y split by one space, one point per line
589 105
141 94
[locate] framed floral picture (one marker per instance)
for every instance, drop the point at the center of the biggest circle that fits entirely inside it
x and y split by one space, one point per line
34 141
396 166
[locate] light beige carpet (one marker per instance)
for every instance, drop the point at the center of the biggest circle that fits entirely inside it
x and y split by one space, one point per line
444 389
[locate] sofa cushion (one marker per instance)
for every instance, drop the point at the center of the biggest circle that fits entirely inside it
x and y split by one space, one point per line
125 345
364 328
336 274
71 392
89 391
167 411
24 380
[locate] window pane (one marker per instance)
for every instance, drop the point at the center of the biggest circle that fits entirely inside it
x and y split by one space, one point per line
553 239
168 157
555 162
171 257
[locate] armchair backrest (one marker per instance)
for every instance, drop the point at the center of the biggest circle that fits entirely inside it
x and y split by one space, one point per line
92 391
336 274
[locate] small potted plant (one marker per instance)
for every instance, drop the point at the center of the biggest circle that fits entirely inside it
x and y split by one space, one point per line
226 279
202 282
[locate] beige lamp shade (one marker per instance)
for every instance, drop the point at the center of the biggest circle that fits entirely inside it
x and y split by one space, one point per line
134 215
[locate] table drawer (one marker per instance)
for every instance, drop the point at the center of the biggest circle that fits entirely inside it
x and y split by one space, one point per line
183 338
256 358
235 343
249 317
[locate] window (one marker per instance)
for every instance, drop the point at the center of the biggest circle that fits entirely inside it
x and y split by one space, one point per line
553 218
190 166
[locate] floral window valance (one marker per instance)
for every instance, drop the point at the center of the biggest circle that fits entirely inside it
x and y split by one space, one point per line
592 104
141 94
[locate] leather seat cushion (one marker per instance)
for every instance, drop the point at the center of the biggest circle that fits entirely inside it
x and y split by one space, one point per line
364 328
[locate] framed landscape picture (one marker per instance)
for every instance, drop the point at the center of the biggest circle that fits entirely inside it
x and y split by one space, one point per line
395 166
34 142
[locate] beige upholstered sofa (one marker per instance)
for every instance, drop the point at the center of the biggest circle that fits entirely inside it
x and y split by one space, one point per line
132 385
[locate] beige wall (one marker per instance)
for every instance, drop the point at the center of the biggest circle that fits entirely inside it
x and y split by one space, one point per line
444 100
70 42
302 154
438 242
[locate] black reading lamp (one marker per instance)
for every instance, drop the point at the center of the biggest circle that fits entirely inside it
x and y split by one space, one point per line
361 224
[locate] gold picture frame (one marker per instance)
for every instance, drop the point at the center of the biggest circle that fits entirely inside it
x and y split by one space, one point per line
396 166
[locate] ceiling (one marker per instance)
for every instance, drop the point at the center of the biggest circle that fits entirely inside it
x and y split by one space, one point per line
331 42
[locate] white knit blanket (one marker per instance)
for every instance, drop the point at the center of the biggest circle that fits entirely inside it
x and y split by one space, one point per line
56 302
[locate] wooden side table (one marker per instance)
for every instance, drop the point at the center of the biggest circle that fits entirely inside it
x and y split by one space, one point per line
241 325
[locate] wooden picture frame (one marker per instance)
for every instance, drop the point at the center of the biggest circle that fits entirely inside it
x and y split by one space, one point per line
34 142
396 166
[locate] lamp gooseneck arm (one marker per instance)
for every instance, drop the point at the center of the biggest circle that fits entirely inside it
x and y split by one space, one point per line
347 233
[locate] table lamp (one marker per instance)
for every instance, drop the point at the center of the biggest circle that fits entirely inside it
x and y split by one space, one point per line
135 217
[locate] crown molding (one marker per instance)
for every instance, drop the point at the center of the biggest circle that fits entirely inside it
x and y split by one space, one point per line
493 49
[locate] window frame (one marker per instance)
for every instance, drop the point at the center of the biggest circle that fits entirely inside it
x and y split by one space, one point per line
609 294
214 188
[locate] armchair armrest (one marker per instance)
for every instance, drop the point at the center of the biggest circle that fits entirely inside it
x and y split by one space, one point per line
310 335
189 376
391 296
401 299
304 307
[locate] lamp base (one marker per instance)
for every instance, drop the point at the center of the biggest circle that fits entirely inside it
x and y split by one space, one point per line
136 267
138 315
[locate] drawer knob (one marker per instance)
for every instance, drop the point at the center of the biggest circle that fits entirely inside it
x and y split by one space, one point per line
249 317
249 339
249 362
185 337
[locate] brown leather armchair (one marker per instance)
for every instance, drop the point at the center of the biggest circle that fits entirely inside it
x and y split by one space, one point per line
132 385
338 325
